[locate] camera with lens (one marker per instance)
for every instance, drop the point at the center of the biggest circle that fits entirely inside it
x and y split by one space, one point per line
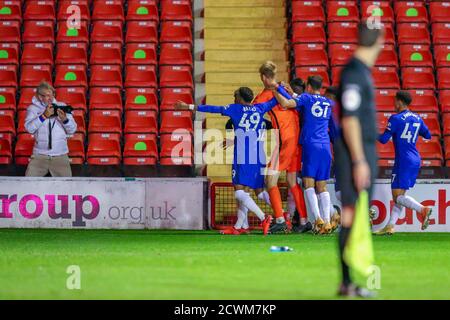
65 108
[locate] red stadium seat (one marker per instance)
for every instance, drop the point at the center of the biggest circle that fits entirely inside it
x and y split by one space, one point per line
72 35
140 76
108 10
307 11
76 97
444 100
446 124
103 149
305 72
415 56
140 149
176 54
80 118
410 12
175 76
106 76
172 120
413 33
176 31
142 10
447 147
106 53
176 149
141 121
385 100
141 32
71 75
423 101
141 99
342 11
39 10
7 124
389 36
388 56
310 55
443 78
5 151
105 99
9 53
10 10
26 95
32 75
343 32
8 76
432 122
386 151
107 31
10 31
71 53
418 78
176 10
340 53
442 56
76 149
38 31
171 95
308 32
21 115
430 149
8 99
441 33
37 53
381 9
105 121
439 11
386 77
68 7
336 75
23 149
141 53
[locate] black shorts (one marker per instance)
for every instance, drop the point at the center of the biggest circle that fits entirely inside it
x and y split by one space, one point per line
344 172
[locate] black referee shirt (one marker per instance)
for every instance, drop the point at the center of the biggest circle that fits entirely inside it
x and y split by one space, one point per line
357 98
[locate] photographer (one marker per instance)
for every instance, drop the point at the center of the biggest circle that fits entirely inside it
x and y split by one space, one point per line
50 130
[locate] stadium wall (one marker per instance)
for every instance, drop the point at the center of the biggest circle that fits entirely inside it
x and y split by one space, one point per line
104 203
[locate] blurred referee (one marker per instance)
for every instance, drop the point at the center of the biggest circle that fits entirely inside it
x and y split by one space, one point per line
355 152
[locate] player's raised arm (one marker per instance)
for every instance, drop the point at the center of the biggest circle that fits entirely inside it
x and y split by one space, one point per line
284 99
424 131
180 105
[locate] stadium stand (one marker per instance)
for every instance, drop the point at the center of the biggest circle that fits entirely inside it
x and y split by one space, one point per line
106 66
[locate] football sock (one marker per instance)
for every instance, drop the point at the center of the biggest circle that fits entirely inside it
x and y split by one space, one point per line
396 211
290 204
264 196
245 224
241 215
409 202
325 202
299 199
313 203
344 233
275 200
248 202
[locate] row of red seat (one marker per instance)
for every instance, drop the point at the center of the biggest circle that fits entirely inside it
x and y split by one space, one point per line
402 11
101 10
410 55
105 149
100 53
136 76
110 121
347 32
102 31
388 77
103 98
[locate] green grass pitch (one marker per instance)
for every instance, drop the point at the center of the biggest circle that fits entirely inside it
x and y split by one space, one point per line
130 264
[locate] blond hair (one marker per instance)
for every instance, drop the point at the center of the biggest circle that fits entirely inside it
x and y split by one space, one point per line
44 85
269 69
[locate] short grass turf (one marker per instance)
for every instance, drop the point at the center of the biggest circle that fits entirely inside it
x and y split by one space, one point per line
130 264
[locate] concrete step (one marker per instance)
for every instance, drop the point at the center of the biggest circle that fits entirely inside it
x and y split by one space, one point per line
237 66
220 23
245 55
261 34
251 44
246 3
243 78
245 12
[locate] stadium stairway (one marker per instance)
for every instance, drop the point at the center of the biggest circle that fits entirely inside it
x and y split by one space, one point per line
233 38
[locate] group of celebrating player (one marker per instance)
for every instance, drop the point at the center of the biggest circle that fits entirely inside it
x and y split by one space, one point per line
305 128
